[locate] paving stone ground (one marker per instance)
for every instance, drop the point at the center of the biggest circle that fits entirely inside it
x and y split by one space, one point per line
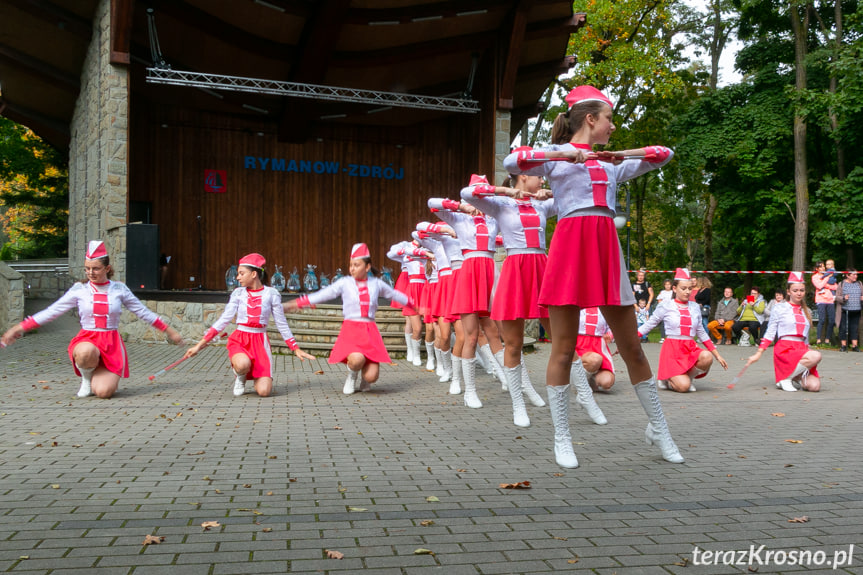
82 482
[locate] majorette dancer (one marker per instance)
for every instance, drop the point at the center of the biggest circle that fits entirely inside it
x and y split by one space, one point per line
430 293
472 299
681 361
594 368
521 212
97 352
402 286
359 343
413 258
447 321
249 346
794 364
437 297
585 262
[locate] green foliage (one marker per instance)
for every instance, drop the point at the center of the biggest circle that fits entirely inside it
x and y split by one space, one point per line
34 192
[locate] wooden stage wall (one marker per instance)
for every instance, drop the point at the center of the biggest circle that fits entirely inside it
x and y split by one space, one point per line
291 214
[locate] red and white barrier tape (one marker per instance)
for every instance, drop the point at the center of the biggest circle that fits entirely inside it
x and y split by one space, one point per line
723 272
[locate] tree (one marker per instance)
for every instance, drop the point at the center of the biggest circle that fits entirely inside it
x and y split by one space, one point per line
34 193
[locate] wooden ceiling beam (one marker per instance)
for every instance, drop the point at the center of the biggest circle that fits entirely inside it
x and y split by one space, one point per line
46 72
52 131
58 17
430 11
190 16
302 8
555 27
517 26
315 50
122 12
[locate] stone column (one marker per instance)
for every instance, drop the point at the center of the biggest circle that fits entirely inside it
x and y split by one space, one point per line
501 144
98 178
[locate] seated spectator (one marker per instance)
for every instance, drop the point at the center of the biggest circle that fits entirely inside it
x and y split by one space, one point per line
641 316
749 318
726 311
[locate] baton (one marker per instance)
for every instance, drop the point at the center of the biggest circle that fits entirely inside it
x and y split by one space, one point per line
162 372
628 157
738 376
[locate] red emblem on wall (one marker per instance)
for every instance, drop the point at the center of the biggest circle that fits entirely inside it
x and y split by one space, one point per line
215 181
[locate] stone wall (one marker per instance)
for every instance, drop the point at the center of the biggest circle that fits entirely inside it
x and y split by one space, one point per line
45 278
12 302
98 152
191 319
502 144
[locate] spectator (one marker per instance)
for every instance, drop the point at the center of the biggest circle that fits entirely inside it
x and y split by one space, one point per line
726 311
778 298
848 297
750 315
642 289
701 295
666 295
641 316
825 295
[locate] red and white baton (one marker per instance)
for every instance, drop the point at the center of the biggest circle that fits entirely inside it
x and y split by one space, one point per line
162 372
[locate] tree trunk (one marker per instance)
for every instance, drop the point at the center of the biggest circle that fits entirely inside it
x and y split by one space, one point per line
709 213
834 120
640 188
801 182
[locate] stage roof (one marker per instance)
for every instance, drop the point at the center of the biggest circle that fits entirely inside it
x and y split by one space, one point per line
423 47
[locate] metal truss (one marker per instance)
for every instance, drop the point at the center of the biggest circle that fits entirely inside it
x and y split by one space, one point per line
313 91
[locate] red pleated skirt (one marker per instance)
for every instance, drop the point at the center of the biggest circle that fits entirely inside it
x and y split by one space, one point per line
112 350
473 288
257 347
517 295
448 314
786 356
594 344
359 337
401 285
430 293
415 291
443 294
678 356
585 265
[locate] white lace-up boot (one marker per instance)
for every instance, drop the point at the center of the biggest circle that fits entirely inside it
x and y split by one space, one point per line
409 354
513 380
417 359
528 389
86 374
239 384
445 364
558 402
456 370
482 355
471 399
351 382
584 395
657 428
433 359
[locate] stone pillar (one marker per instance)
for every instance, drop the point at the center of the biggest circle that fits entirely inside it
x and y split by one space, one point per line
98 178
12 302
502 144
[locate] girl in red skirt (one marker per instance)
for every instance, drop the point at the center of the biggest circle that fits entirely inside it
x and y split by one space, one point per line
97 352
794 364
248 346
681 360
359 343
594 368
521 209
413 258
585 262
472 295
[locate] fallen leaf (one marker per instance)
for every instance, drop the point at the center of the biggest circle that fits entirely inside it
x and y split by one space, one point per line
292 480
267 529
461 470
152 540
558 474
319 372
274 457
207 524
399 452
55 486
804 519
243 509
342 489
46 387
198 453
519 485
219 491
336 427
572 561
422 551
42 381
427 523
752 569
561 538
247 485
432 499
729 475
334 554
357 509
24 557
778 414
684 561
269 492
794 441
789 465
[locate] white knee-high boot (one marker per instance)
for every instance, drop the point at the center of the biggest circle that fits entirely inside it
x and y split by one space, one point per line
513 380
86 374
239 384
438 368
431 364
657 428
471 399
409 354
584 396
497 367
558 402
417 358
456 371
483 353
351 383
526 386
446 366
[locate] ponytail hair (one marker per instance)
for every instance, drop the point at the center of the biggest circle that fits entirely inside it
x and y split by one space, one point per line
105 261
568 123
262 273
374 271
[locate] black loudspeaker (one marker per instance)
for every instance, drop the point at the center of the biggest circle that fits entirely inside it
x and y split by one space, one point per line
142 256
